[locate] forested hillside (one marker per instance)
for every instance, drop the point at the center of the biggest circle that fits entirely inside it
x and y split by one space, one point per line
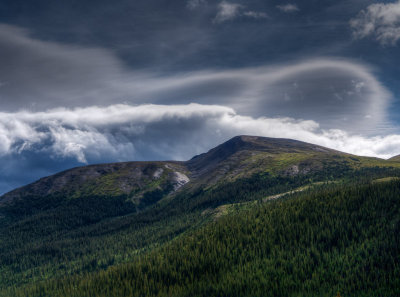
317 243
255 217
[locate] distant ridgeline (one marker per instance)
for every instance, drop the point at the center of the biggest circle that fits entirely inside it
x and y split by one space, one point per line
252 217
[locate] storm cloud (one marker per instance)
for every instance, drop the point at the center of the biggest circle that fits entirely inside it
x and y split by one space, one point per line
125 131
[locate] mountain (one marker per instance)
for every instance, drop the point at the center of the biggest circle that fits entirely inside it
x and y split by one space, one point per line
245 155
238 157
133 179
395 158
248 146
90 231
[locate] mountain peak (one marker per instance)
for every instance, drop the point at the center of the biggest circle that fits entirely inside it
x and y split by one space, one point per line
207 161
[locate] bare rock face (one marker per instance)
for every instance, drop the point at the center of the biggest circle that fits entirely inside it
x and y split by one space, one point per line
157 174
296 170
180 180
292 170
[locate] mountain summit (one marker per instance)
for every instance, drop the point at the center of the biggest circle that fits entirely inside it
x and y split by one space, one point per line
251 144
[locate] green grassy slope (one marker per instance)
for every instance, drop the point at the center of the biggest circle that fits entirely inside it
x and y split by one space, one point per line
316 243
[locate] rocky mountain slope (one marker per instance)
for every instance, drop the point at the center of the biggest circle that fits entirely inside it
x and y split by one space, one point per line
395 158
130 179
239 157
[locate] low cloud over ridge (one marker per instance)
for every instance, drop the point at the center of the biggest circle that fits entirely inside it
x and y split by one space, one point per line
35 144
161 132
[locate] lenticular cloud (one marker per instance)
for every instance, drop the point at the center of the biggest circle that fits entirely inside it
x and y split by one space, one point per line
335 92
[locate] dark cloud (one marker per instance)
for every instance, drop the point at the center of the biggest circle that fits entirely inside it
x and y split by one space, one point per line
336 93
37 74
167 35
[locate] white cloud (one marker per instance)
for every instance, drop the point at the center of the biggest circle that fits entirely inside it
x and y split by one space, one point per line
255 14
193 4
228 11
98 132
380 21
288 8
125 132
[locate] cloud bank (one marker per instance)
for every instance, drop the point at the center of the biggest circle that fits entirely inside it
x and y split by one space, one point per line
380 21
161 132
35 144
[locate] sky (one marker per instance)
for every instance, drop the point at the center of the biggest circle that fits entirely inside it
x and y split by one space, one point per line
84 82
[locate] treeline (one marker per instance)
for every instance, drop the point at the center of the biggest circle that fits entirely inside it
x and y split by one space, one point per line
327 240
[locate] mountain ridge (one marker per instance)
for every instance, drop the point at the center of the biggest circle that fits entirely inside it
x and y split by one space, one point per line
395 158
240 156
